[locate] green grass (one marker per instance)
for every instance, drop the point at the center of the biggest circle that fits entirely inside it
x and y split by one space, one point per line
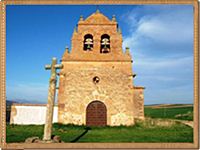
18 133
182 113
146 131
138 133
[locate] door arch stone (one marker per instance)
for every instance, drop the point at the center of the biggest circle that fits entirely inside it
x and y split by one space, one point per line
96 114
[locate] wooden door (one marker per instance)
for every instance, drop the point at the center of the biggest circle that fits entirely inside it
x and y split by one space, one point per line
96 114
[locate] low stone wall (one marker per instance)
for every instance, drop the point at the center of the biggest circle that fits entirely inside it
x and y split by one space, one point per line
30 114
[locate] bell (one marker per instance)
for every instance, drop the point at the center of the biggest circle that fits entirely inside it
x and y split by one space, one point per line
88 46
105 41
88 41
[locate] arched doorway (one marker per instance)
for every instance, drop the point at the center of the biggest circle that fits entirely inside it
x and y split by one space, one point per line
96 114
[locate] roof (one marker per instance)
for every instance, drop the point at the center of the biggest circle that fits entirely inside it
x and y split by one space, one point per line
97 18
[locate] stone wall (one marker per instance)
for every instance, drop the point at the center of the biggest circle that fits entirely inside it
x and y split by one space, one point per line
138 97
30 114
77 90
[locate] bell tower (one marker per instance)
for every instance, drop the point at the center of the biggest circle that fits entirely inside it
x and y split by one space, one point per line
96 38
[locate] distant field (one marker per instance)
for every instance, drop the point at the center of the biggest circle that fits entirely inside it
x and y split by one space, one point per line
175 111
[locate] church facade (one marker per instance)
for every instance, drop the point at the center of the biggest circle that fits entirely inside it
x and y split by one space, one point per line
96 85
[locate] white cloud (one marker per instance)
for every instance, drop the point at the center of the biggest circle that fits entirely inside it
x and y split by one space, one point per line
28 91
164 63
161 43
166 26
171 95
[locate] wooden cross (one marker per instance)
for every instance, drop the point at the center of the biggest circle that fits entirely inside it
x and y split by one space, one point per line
51 98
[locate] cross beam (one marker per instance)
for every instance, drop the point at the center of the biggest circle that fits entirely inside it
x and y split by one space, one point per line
51 98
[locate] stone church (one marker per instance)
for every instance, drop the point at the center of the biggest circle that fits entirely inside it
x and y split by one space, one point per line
96 83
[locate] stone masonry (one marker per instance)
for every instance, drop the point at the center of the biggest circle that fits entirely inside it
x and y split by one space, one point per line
89 76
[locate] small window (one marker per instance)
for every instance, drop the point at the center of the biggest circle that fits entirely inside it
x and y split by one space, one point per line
88 42
96 80
105 44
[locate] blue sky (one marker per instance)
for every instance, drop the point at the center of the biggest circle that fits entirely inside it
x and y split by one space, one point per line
160 38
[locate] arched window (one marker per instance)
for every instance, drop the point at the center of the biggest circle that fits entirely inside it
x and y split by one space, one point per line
105 44
88 42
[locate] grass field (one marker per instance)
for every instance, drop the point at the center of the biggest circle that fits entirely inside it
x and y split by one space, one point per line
175 111
138 133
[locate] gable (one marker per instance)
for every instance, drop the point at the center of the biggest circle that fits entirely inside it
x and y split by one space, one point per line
97 18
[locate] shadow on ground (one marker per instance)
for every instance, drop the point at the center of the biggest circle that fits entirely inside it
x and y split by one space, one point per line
85 132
